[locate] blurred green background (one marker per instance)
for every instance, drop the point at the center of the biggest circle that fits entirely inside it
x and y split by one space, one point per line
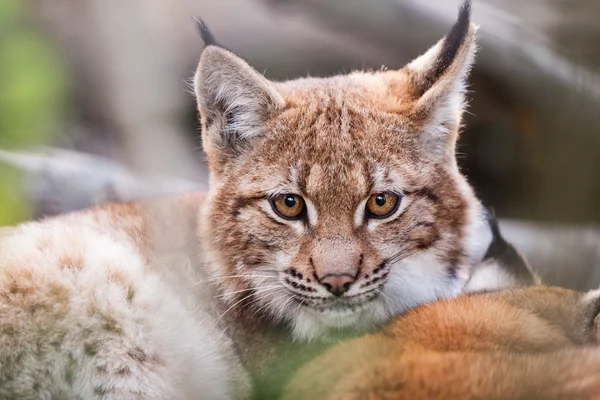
32 99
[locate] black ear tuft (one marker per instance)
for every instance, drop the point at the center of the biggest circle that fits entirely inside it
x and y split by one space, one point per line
452 44
205 33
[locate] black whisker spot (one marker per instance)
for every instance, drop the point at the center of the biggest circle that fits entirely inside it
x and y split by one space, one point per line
379 268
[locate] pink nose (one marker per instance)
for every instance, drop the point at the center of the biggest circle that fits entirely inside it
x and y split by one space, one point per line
337 284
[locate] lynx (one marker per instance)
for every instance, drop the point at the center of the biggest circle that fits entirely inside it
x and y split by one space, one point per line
334 204
537 343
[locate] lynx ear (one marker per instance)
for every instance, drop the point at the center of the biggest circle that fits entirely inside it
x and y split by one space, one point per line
433 85
234 100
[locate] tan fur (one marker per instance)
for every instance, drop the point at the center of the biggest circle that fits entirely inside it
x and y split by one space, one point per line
535 343
187 297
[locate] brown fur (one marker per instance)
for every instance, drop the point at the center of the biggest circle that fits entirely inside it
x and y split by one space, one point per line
534 343
335 142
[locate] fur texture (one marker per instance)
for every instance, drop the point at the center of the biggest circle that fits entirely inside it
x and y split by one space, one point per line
95 305
180 298
335 142
530 344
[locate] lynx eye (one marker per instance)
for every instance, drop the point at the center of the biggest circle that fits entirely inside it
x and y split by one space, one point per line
288 206
382 205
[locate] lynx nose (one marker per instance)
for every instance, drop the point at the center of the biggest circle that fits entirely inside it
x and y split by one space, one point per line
337 284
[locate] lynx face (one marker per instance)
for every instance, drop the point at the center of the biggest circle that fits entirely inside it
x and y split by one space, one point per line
337 203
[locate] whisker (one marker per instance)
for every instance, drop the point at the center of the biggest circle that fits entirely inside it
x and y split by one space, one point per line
401 255
396 256
244 290
388 300
284 305
234 276
300 304
238 302
241 276
272 271
259 309
256 299
235 304
270 303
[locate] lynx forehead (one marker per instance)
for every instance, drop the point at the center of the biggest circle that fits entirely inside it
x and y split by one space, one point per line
337 202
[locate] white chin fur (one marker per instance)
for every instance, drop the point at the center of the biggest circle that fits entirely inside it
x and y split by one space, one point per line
416 280
310 324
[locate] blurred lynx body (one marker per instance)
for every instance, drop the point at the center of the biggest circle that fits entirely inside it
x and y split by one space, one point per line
105 304
334 204
537 343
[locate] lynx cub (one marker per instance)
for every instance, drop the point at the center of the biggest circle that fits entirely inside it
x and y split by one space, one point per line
334 204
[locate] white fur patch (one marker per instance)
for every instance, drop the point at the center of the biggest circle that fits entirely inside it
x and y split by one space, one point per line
96 293
411 282
490 276
416 280
477 233
309 324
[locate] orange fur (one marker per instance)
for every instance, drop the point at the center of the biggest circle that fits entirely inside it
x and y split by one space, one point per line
533 343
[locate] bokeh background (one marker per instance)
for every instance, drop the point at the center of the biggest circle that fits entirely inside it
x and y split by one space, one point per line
95 106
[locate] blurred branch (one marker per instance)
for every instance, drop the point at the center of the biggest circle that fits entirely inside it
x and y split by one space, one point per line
514 38
59 180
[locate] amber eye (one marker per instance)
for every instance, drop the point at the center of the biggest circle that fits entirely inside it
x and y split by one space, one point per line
288 206
382 205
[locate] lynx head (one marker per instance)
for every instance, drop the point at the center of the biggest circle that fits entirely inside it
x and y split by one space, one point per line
337 202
